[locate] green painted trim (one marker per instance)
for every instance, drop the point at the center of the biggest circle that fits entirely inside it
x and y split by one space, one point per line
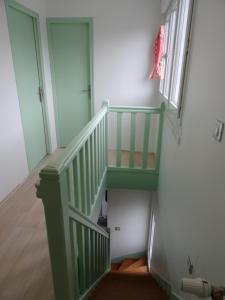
132 179
119 139
88 21
165 285
162 282
136 255
134 109
132 139
146 141
37 35
160 133
21 8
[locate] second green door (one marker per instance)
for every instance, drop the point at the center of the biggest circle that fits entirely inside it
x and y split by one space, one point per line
69 43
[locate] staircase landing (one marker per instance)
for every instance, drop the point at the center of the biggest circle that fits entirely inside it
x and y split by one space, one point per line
121 286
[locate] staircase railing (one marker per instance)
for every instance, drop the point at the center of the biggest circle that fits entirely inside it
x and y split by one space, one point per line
73 186
70 188
135 159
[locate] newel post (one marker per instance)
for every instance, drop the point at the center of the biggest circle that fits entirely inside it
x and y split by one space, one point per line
53 190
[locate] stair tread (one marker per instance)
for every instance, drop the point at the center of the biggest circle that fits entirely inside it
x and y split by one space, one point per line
142 269
126 263
115 266
138 263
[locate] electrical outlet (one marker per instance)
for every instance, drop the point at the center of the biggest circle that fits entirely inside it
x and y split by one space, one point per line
117 228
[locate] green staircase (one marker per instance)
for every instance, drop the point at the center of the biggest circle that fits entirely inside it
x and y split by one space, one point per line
72 187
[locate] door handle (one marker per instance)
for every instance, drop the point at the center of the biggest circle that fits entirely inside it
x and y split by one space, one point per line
88 90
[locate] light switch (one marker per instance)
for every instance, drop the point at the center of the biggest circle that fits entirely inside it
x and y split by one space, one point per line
117 228
218 131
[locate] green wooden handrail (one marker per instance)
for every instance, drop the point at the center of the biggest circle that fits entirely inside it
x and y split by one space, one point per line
71 150
82 219
135 109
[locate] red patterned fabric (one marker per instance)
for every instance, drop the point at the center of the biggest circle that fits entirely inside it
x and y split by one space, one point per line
158 54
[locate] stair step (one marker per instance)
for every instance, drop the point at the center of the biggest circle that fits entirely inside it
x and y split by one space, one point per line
115 266
138 263
126 263
142 269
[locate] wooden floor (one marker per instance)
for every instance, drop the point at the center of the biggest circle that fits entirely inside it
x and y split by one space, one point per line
122 286
25 272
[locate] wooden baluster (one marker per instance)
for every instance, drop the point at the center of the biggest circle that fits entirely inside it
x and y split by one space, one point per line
71 185
83 181
159 141
119 139
92 253
96 159
77 181
104 255
97 255
102 146
146 141
75 260
101 264
99 155
88 176
81 257
132 139
87 258
106 140
100 150
93 165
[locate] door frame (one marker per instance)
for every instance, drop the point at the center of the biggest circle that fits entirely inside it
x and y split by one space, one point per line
37 36
74 20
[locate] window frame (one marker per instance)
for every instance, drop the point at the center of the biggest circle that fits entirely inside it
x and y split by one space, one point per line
174 112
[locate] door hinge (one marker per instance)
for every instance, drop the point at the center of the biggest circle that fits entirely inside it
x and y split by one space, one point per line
88 90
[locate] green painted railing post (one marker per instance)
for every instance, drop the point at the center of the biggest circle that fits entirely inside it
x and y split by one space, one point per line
160 132
146 141
109 249
119 139
132 139
106 103
53 189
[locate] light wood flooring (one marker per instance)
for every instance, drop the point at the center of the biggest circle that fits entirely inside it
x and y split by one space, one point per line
25 272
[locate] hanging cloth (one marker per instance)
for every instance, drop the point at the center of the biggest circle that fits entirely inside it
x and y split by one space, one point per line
158 54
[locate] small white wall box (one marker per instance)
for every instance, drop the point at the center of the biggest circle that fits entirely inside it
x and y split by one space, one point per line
218 132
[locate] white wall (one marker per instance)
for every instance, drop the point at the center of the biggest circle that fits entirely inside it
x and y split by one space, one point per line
123 36
13 161
164 5
191 201
129 210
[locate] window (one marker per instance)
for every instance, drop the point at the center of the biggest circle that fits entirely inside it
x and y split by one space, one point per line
177 31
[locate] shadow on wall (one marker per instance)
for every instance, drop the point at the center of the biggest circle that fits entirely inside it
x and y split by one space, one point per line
157 259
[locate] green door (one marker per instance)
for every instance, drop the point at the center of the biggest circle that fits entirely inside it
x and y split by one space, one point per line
27 72
69 43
